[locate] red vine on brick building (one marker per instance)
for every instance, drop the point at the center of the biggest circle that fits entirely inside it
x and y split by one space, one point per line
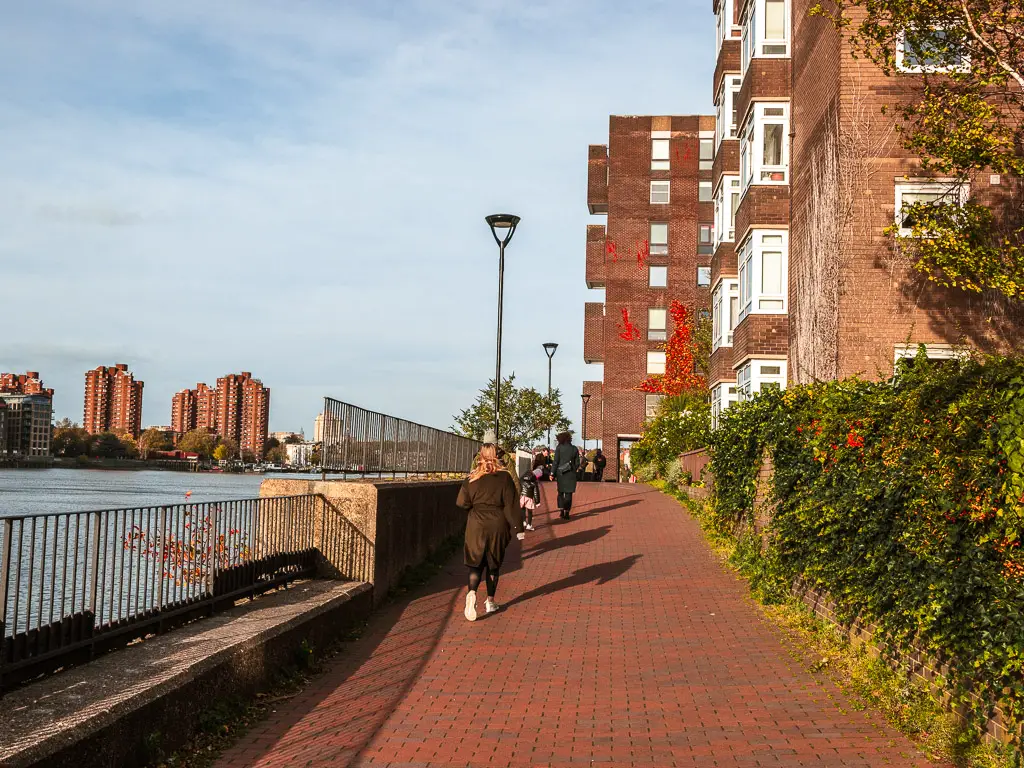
680 364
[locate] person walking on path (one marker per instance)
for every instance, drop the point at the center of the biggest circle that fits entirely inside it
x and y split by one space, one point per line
529 490
547 464
566 463
489 493
599 464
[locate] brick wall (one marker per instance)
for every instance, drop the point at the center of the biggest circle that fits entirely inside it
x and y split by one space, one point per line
762 206
596 237
593 332
728 63
597 178
760 336
765 79
595 409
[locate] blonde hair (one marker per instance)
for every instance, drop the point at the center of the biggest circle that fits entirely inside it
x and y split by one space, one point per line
487 462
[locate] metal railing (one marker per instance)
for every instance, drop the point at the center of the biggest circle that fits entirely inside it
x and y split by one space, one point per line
362 442
76 583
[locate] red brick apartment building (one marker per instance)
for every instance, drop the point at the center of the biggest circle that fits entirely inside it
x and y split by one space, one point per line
653 182
239 408
113 401
808 173
27 383
26 415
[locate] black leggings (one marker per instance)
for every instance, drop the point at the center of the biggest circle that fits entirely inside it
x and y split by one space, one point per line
491 577
565 501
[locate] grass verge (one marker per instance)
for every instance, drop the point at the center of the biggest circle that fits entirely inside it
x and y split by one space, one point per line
868 682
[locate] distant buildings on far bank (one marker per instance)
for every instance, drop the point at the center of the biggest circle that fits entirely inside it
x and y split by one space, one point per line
113 401
238 408
26 415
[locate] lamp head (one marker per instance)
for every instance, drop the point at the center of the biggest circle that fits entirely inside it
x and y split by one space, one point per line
549 348
503 226
586 398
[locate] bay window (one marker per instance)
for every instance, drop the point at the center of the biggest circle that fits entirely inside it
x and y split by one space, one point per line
722 396
764 151
726 119
724 26
727 200
759 376
763 261
725 312
766 30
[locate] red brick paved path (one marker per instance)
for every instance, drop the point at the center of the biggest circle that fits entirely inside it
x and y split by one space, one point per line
621 641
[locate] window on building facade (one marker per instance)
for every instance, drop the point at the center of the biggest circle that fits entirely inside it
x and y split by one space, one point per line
937 192
657 318
660 150
659 192
764 148
763 266
726 116
765 30
727 201
651 403
930 50
703 191
935 353
759 376
725 302
722 396
707 154
657 277
658 241
724 27
655 361
703 277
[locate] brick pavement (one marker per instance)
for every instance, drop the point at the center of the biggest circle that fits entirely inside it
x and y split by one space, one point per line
621 641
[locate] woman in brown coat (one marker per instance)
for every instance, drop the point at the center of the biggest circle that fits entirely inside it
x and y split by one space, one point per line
490 495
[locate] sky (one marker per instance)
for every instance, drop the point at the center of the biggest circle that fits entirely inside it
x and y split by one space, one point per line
297 188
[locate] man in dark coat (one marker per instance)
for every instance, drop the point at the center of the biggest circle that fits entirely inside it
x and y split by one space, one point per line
565 464
599 464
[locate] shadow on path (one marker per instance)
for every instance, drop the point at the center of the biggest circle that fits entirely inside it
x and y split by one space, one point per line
571 540
600 574
606 508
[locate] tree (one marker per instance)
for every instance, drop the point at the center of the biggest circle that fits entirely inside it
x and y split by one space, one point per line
314 456
292 440
683 423
198 441
525 415
685 355
277 455
107 445
248 456
230 446
270 445
69 439
151 440
131 447
968 119
220 453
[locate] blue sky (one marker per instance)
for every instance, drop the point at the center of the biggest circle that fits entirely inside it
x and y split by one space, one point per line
297 188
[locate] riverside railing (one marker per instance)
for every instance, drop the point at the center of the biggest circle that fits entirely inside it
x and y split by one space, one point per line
76 583
362 442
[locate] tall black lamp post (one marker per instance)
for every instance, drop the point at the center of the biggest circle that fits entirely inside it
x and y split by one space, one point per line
549 350
586 399
503 226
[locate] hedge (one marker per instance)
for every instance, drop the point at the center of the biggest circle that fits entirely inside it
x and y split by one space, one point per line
903 500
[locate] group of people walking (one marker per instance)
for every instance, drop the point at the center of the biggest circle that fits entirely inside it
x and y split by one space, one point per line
498 511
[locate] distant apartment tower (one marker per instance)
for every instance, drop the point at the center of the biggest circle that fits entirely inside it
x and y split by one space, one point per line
27 424
239 409
653 181
23 384
113 401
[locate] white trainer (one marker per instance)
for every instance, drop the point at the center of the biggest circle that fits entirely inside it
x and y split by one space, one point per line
471 606
490 606
530 527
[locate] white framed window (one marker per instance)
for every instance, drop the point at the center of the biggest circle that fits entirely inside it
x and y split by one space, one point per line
726 117
725 312
727 201
660 150
929 50
703 191
725 29
657 277
937 352
764 148
703 277
759 376
932 192
651 403
723 395
655 361
657 320
660 192
763 261
766 30
707 153
658 241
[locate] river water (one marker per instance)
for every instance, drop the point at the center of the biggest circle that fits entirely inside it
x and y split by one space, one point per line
35 491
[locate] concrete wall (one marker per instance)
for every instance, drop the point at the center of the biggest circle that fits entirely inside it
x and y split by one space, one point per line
373 531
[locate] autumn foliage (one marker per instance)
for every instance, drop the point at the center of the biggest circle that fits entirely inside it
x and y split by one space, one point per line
680 362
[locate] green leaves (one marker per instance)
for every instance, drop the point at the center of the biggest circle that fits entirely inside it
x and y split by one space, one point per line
525 415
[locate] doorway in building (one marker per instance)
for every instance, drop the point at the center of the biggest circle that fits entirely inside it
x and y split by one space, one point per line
625 445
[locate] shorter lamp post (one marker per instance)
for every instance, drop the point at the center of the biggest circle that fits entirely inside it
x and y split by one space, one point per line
549 350
586 399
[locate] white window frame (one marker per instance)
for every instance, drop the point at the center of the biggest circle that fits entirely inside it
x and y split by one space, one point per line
701 186
655 360
750 260
651 403
656 332
952 189
650 274
752 162
933 351
725 296
661 164
723 395
706 139
724 27
701 269
754 43
751 378
727 201
661 188
657 249
918 69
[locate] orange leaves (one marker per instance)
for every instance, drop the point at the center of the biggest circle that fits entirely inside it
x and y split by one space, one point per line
680 363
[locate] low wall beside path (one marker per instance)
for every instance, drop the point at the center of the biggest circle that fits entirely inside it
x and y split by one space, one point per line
373 531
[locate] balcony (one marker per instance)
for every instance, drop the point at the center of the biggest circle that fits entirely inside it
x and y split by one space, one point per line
596 240
597 179
593 332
